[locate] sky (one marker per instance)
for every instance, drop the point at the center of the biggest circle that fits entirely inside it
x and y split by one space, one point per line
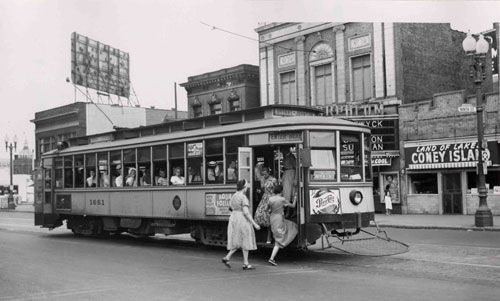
167 42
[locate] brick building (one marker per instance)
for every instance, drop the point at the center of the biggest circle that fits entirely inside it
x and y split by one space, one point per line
84 119
363 72
221 91
439 154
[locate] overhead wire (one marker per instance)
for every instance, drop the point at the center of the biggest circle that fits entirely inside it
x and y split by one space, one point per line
252 39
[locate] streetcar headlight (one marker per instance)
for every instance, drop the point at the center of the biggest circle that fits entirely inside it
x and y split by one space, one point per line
356 197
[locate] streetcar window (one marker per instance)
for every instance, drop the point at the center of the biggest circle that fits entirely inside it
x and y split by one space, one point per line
48 178
323 167
194 163
90 170
214 161
160 165
79 173
367 158
58 172
176 163
350 158
129 167
144 164
232 144
103 179
116 170
68 172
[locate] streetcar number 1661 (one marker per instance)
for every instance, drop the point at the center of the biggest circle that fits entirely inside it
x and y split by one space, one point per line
96 202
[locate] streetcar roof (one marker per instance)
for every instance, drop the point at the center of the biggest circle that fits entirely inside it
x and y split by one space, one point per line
276 123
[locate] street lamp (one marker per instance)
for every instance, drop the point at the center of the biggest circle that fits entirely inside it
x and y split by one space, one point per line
9 145
476 51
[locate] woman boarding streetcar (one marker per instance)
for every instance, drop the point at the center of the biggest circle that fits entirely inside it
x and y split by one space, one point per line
332 162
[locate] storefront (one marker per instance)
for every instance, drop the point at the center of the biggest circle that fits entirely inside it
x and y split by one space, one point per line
383 121
441 176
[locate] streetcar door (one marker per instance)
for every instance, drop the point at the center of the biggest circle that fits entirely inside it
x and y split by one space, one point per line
245 168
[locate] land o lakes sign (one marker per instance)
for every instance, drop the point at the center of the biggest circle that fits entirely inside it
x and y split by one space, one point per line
450 155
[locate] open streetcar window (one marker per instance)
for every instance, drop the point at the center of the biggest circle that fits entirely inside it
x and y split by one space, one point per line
103 179
214 161
129 167
232 144
176 160
160 165
58 172
350 158
144 164
116 170
68 172
194 163
79 172
90 170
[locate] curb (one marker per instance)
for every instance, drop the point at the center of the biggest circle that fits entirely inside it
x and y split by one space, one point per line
484 229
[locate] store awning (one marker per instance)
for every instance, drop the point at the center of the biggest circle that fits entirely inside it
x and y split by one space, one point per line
445 165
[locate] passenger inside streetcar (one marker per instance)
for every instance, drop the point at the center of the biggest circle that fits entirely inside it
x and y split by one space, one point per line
104 179
162 179
145 179
193 175
91 180
118 182
177 178
131 177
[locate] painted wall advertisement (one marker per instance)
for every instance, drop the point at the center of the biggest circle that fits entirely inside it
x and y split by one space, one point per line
324 201
217 203
450 155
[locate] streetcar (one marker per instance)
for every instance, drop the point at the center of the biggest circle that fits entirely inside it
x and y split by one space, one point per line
123 181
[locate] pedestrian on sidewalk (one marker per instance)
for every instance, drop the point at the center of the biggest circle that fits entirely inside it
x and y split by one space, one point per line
387 200
284 231
240 233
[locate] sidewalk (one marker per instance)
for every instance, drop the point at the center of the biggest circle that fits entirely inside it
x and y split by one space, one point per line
428 221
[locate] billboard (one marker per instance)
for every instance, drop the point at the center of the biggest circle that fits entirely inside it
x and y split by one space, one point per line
99 66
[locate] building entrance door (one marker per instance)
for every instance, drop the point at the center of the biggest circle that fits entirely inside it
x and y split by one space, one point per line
452 193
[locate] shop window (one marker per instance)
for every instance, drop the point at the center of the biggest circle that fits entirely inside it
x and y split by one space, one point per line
90 169
492 179
103 177
350 158
288 88
68 172
79 171
423 183
116 168
194 153
323 84
160 165
144 165
58 172
129 167
232 144
214 161
361 78
323 166
176 163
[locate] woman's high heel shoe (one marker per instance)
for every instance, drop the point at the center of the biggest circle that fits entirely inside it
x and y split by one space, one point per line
248 267
226 262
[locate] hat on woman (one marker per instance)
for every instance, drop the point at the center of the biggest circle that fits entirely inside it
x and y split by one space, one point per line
241 184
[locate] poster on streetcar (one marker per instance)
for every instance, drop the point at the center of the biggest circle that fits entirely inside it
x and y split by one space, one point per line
217 203
324 201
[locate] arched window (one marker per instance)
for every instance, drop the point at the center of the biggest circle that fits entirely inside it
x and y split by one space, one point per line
322 74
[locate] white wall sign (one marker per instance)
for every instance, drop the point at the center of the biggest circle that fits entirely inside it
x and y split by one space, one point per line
286 59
